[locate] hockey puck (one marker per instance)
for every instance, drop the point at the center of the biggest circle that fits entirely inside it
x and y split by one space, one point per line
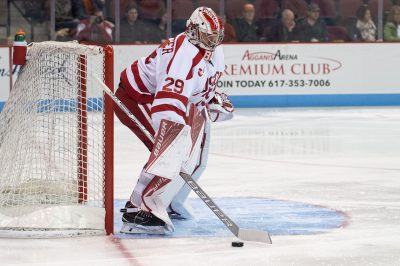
237 244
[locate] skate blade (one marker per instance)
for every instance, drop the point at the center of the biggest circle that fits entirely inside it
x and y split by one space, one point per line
130 228
175 216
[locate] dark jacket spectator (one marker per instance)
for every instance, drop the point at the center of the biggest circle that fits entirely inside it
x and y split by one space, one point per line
158 33
132 29
247 30
36 11
312 28
68 13
284 30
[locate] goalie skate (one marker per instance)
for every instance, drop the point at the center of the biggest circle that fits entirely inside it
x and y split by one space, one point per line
179 211
137 221
132 228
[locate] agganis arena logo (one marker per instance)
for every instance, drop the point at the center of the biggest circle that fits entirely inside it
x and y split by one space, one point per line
280 63
267 56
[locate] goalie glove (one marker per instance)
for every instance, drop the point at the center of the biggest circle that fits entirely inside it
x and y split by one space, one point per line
220 107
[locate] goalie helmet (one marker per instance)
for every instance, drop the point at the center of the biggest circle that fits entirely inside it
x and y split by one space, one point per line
205 29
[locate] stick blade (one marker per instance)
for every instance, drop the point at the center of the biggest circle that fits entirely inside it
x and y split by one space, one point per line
254 235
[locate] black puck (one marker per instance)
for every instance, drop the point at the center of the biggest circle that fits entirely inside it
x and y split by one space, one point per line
237 244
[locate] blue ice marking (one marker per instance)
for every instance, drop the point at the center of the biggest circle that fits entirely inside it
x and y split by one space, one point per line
278 217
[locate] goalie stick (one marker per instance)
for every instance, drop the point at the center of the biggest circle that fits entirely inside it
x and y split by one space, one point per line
243 234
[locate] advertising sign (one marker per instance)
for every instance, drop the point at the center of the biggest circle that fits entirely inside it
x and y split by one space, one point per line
310 69
262 75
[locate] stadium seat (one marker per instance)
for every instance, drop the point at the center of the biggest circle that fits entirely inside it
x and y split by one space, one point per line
151 9
124 5
327 8
266 8
338 34
299 7
348 8
373 5
182 9
213 4
233 8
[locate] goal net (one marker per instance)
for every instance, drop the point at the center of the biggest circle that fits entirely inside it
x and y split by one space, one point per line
56 132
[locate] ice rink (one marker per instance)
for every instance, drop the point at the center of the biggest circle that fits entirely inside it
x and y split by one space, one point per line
324 182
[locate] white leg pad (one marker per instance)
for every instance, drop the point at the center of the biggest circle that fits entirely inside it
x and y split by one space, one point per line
177 192
179 202
171 148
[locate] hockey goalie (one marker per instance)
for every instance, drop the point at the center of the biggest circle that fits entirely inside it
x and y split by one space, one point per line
172 92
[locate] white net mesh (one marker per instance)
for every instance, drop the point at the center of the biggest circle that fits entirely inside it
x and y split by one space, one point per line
51 142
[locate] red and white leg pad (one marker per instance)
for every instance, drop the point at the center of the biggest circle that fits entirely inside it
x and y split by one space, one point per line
177 192
171 148
197 123
176 146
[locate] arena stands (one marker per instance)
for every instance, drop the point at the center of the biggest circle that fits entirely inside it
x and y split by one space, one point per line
340 16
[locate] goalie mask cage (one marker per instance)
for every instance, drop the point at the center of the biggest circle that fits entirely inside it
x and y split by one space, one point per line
56 144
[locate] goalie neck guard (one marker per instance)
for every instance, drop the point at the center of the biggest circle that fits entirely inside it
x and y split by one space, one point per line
205 29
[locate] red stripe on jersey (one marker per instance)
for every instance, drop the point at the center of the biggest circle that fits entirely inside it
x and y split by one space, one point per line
147 109
140 98
195 61
133 93
151 56
171 95
134 108
124 80
179 42
168 107
210 21
138 79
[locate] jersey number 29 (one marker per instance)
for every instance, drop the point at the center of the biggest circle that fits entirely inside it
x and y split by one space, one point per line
178 85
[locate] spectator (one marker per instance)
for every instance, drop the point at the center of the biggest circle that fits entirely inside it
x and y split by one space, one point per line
95 30
365 27
284 30
312 28
391 31
133 30
246 28
229 32
37 11
159 32
68 13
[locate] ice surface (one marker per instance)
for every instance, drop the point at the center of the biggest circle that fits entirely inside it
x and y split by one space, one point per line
344 159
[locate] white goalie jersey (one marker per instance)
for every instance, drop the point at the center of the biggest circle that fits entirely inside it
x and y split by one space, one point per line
171 78
175 93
